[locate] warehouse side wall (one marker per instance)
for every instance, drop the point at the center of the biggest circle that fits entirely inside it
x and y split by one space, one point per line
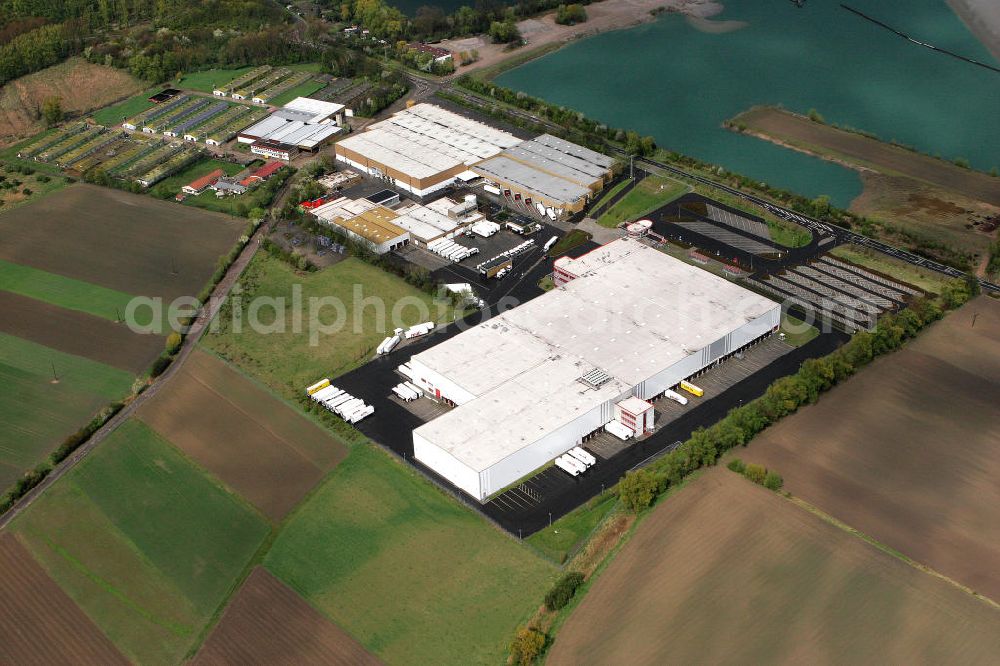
703 358
551 446
447 466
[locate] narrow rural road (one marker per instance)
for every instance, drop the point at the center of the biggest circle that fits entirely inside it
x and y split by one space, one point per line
205 316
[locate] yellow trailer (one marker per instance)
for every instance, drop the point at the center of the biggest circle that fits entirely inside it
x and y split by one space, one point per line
322 384
692 389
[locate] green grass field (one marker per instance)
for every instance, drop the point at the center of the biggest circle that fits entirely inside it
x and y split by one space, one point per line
144 541
38 414
9 155
175 182
40 184
881 263
116 113
209 79
607 195
561 540
304 89
63 291
787 233
797 333
568 242
285 360
651 193
414 575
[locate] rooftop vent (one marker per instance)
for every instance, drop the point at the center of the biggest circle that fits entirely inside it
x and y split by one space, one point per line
596 378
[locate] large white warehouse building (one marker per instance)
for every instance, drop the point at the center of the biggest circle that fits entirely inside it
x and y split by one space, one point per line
628 322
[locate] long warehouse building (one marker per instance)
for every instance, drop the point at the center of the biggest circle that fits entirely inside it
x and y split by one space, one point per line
548 173
423 149
628 323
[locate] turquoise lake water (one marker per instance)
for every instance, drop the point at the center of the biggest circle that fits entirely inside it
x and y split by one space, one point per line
678 84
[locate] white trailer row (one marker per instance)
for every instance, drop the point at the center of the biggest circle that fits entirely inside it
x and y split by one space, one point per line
407 391
576 461
451 250
507 254
388 344
340 402
419 330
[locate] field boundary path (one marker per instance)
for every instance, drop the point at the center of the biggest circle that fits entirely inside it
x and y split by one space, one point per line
205 316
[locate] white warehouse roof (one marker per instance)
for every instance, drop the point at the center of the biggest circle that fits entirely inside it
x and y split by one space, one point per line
293 132
634 312
424 140
319 109
424 222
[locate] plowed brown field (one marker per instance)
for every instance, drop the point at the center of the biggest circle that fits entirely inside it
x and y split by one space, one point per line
726 572
908 451
133 243
255 443
77 333
268 623
39 624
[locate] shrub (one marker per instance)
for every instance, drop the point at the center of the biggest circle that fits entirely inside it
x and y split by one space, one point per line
563 590
737 465
173 342
773 481
528 645
160 365
755 473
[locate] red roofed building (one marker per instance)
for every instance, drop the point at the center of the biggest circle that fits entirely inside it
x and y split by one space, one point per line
203 183
440 54
262 173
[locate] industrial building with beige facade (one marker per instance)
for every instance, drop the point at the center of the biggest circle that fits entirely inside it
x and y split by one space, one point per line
425 148
533 382
422 149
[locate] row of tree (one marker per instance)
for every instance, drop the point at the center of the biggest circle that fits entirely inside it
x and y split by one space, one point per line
639 489
431 23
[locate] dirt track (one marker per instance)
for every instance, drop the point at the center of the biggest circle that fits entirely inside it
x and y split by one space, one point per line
129 242
242 434
907 451
268 623
726 572
78 333
39 624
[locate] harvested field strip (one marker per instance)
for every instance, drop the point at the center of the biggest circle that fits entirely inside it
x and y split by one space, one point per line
414 575
802 132
146 542
39 624
915 463
268 623
78 333
80 232
37 415
193 531
136 605
72 371
249 439
725 567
